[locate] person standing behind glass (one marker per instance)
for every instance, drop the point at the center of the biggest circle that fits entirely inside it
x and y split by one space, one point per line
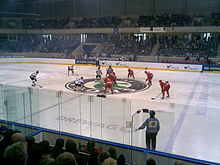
153 127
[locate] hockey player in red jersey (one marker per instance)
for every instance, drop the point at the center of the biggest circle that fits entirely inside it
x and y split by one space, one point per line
113 77
165 87
130 73
108 84
161 85
149 77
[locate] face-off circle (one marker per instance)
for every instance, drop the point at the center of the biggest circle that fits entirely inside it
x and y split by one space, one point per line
122 86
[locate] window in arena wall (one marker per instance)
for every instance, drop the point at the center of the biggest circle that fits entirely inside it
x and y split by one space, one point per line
83 38
140 37
47 37
207 36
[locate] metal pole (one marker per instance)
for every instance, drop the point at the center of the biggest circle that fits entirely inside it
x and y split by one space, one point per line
132 121
59 99
30 104
23 98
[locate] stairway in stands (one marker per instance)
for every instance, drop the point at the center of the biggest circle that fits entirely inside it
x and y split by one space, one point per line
155 49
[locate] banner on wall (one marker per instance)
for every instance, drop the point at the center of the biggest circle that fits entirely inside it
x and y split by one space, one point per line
153 29
144 30
207 67
159 29
166 66
85 61
114 63
188 67
122 64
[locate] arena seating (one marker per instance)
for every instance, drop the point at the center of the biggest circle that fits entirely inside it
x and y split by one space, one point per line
64 44
162 20
193 49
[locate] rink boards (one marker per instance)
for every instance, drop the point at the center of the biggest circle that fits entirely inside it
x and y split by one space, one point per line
119 64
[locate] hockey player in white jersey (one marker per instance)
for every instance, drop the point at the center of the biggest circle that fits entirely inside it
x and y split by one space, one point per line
71 69
33 78
98 74
79 84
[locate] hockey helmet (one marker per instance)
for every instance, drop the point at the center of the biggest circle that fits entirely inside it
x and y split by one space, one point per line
37 71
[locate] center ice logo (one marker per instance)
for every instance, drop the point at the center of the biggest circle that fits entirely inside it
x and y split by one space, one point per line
122 86
101 85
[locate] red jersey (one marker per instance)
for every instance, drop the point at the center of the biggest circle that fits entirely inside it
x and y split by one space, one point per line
112 76
108 80
149 75
130 72
166 86
161 84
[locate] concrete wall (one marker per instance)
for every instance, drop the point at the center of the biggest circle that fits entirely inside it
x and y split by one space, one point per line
168 30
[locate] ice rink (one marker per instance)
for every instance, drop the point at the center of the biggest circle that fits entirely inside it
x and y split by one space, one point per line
191 115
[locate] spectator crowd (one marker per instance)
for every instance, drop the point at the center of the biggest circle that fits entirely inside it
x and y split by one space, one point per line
18 150
127 46
193 49
40 43
160 20
196 49
15 149
164 20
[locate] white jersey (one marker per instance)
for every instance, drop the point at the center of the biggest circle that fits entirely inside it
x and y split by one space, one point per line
71 67
79 81
98 72
33 75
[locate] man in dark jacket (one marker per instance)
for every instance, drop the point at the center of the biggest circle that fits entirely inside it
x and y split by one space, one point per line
153 127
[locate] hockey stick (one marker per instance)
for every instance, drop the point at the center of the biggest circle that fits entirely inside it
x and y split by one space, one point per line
153 98
40 86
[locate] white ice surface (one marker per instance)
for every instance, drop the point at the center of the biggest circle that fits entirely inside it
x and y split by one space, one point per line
190 118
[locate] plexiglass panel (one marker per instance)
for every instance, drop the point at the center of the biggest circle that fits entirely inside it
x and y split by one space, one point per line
115 116
49 110
70 113
19 104
31 106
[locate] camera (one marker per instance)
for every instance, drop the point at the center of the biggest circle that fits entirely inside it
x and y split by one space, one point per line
101 95
145 110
